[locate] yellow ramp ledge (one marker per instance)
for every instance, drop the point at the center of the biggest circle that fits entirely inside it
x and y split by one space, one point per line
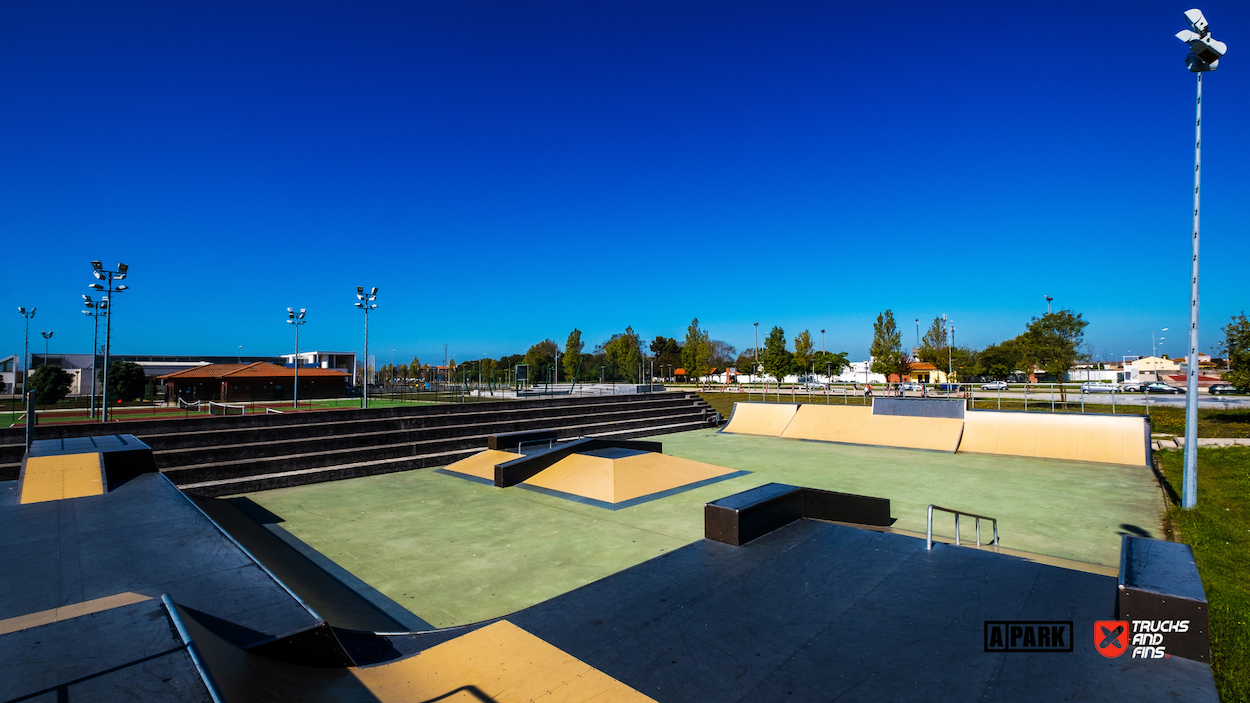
47 478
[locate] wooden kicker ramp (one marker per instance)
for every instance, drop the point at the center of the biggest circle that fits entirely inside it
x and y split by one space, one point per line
1110 439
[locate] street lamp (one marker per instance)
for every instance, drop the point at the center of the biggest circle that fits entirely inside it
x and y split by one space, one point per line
1153 350
25 350
1204 55
297 319
365 301
108 278
95 310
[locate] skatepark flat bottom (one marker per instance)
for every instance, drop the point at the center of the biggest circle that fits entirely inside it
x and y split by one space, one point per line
819 611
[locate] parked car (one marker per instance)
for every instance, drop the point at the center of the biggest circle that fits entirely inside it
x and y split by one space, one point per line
910 387
1222 389
994 386
952 387
1156 387
1132 386
1097 387
812 385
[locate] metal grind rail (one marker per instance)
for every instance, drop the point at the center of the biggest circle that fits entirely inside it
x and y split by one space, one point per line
957 513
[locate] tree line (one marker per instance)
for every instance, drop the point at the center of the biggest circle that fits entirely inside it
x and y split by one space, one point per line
1051 343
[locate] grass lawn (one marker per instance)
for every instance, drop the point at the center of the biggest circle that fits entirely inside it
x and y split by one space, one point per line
1212 422
1218 529
454 551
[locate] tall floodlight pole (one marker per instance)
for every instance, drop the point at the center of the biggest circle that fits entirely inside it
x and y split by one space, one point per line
108 278
1153 350
47 336
25 350
297 319
1204 55
95 310
365 301
756 370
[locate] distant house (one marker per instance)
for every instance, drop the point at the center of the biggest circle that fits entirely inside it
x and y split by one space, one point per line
924 372
257 381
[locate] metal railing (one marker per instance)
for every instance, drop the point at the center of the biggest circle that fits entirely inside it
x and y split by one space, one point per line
957 513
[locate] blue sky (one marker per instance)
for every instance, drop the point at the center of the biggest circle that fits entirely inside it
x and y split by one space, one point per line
504 172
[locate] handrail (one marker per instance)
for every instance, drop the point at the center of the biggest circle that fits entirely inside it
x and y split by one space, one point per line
957 513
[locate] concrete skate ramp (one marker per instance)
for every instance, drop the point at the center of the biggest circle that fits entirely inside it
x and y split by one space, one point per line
768 419
500 662
858 425
1107 439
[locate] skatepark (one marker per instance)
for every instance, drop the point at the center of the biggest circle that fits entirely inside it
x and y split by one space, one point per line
557 565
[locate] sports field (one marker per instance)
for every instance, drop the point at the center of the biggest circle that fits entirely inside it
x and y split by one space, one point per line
453 551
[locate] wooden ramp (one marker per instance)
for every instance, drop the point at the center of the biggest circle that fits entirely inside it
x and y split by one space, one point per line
45 478
851 424
768 419
1107 439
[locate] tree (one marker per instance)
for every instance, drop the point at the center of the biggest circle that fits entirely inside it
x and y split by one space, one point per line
667 352
723 354
126 381
777 362
573 354
999 361
50 384
830 363
696 353
540 357
803 352
622 355
746 362
1237 351
1051 343
887 348
933 344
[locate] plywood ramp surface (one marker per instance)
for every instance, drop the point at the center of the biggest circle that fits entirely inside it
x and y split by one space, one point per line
768 419
936 433
618 480
482 464
829 423
501 661
47 478
1097 438
852 424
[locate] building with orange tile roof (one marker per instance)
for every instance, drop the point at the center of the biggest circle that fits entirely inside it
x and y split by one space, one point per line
257 381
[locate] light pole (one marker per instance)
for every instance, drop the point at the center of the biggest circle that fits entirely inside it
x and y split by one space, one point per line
365 301
297 319
1153 351
1204 55
755 371
95 310
109 278
46 337
392 365
25 350
1048 299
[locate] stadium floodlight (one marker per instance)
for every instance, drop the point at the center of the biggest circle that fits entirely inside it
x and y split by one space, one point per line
295 319
28 314
1205 53
367 303
109 278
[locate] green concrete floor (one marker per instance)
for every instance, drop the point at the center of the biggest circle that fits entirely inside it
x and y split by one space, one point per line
453 551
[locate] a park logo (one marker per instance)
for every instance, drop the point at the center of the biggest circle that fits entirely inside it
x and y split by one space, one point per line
1028 636
1111 637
